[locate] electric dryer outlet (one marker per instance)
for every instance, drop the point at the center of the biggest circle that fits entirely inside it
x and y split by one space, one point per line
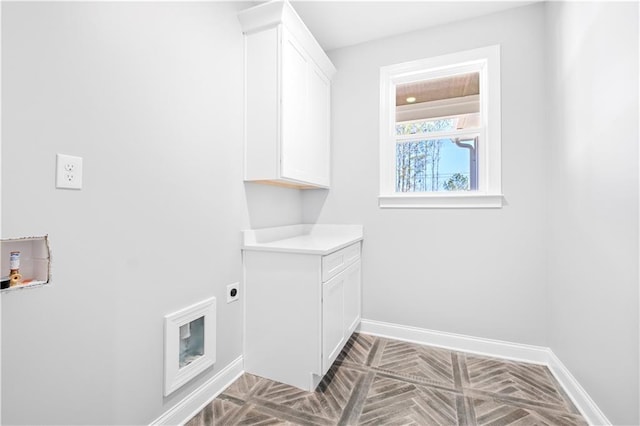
233 292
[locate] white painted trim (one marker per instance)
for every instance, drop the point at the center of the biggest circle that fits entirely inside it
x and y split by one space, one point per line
191 405
577 393
451 134
441 200
484 60
273 13
496 349
457 342
450 107
174 375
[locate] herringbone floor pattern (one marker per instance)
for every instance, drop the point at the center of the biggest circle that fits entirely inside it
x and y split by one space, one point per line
378 381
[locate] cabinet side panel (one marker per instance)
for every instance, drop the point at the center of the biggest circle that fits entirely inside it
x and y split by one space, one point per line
261 105
282 316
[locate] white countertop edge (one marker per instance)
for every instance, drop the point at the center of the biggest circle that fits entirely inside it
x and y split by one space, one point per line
302 250
302 238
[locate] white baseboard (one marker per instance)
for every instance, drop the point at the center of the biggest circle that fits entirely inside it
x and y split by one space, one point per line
184 410
497 349
458 342
578 395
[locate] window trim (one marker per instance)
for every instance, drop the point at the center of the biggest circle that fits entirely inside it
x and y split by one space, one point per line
486 60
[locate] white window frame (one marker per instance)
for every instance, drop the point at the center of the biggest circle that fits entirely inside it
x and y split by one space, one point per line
486 61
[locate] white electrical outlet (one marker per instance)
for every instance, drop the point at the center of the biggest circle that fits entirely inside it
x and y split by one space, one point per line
233 292
68 171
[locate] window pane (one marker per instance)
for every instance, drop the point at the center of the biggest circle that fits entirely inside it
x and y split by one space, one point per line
436 89
447 104
452 97
434 165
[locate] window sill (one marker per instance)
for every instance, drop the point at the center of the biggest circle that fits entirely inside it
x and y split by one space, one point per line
441 201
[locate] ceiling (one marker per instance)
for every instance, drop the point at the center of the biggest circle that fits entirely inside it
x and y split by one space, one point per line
337 24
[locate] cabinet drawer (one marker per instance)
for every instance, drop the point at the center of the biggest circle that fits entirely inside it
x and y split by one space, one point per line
334 263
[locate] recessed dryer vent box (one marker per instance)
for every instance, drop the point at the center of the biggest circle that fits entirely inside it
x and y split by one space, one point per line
35 261
189 343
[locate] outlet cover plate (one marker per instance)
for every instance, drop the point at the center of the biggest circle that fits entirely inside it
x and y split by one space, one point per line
230 287
68 171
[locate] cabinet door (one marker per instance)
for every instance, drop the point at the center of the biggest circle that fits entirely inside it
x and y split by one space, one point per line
295 101
333 337
352 298
318 138
305 116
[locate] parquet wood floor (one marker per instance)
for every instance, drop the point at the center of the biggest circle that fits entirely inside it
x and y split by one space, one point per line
377 381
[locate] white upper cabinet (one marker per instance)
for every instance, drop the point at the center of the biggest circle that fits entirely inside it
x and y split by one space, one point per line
287 99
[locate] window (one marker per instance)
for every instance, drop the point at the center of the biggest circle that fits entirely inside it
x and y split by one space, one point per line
440 131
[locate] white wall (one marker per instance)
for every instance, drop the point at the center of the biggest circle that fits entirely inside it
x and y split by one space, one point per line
593 249
149 94
476 272
154 89
558 265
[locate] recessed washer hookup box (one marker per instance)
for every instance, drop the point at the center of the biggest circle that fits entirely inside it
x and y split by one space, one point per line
34 260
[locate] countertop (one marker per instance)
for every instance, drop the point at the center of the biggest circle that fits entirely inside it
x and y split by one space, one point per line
305 238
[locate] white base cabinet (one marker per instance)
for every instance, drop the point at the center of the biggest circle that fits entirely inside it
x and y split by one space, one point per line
300 310
340 312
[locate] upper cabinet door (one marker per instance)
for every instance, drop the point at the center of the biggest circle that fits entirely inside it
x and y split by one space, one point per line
287 137
319 141
305 116
295 106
